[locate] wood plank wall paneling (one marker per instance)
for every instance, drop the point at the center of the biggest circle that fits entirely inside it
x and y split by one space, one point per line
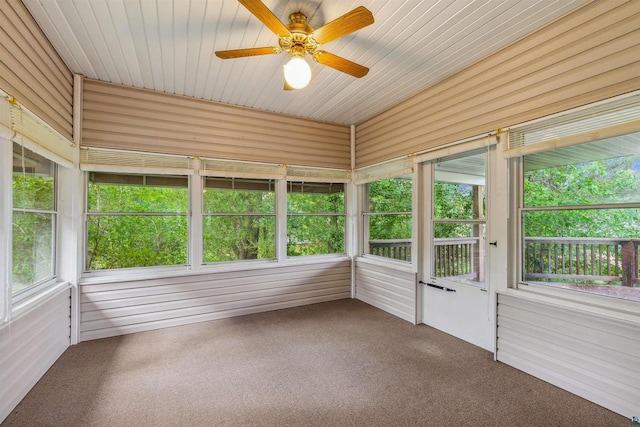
29 345
136 119
387 288
110 309
594 357
32 71
586 56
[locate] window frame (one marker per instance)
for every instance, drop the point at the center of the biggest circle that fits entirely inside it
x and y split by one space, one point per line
343 214
366 214
518 204
483 222
43 284
224 265
600 120
142 271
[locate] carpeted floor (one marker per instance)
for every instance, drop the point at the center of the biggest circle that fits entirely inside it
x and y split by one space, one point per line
341 363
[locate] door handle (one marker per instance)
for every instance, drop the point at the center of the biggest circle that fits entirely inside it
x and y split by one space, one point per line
442 288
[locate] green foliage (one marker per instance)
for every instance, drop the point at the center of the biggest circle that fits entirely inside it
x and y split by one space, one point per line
238 237
315 235
238 201
589 183
233 238
33 232
137 198
33 192
454 201
126 241
391 195
32 251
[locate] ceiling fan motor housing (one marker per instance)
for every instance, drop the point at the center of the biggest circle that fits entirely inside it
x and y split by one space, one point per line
299 42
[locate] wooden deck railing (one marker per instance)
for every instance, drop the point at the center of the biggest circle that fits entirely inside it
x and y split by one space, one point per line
457 258
396 249
582 260
587 260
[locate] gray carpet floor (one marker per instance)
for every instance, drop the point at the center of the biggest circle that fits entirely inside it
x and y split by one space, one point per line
340 363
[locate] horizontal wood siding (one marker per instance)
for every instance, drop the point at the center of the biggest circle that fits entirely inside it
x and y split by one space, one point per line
592 356
586 56
388 289
141 120
125 307
29 345
32 71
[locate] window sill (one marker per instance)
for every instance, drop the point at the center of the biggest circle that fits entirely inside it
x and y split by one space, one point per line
115 276
315 259
28 303
611 308
129 274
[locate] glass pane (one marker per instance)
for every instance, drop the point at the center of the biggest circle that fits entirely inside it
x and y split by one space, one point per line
136 241
315 235
390 236
134 193
234 195
33 246
601 172
233 238
587 250
33 180
459 188
315 197
390 195
459 252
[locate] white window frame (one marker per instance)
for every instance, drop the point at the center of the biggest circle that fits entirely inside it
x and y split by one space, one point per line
344 214
212 265
430 238
589 302
135 271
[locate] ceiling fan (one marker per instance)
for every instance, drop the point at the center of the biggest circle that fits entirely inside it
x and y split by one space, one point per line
298 40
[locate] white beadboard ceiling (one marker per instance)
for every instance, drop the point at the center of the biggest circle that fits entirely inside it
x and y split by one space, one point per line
168 45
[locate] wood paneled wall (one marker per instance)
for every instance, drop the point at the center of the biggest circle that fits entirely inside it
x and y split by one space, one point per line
586 56
118 308
29 345
593 356
119 117
388 289
32 71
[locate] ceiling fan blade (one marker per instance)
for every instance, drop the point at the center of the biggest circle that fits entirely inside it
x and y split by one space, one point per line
265 15
352 21
340 64
239 53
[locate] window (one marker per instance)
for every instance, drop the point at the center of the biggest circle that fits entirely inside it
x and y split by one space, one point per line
315 218
239 219
34 219
136 221
459 218
387 218
580 217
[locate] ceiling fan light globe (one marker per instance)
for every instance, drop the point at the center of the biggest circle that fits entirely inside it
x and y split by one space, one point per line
297 72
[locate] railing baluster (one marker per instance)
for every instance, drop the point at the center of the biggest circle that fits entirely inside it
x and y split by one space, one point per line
570 259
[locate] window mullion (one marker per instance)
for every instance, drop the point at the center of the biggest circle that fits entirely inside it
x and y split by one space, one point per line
281 220
6 159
